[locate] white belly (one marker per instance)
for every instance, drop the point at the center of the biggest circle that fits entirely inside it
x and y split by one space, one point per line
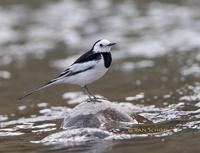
88 76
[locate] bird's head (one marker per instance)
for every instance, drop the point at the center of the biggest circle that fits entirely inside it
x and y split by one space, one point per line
102 45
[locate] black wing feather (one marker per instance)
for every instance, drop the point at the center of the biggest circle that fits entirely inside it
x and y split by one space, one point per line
89 56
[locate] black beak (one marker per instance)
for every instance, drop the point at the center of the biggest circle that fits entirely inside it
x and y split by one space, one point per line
111 44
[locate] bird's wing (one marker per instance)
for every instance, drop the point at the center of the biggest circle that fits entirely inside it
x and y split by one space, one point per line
82 64
88 56
81 67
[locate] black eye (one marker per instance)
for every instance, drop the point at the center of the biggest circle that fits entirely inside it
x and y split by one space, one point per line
101 45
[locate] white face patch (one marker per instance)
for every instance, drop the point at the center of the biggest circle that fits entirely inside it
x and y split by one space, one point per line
102 46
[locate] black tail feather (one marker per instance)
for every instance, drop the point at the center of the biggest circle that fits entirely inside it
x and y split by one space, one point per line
57 79
35 90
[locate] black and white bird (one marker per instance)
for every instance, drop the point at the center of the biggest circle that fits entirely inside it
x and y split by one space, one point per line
88 68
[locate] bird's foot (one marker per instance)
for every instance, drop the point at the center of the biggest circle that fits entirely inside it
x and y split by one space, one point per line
92 99
95 99
98 99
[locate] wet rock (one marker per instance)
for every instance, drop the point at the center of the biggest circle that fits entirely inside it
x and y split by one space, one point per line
91 121
102 114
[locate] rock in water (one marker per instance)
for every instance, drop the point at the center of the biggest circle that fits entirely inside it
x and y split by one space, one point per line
102 114
91 121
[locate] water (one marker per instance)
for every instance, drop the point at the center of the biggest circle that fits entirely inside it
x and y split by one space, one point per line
155 73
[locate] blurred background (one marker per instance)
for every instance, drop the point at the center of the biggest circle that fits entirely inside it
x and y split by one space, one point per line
155 63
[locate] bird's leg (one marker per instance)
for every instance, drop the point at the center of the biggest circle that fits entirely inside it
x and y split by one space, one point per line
85 90
90 93
97 99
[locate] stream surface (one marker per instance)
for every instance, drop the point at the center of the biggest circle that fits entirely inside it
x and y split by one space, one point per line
154 74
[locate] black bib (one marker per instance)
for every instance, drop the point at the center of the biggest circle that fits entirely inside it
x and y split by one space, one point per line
107 59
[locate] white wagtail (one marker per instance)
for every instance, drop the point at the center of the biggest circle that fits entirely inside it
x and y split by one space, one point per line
88 68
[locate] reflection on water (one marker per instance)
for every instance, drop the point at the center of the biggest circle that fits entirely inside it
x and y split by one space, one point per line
155 72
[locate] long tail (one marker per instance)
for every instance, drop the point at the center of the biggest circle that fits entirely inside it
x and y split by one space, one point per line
56 80
40 88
